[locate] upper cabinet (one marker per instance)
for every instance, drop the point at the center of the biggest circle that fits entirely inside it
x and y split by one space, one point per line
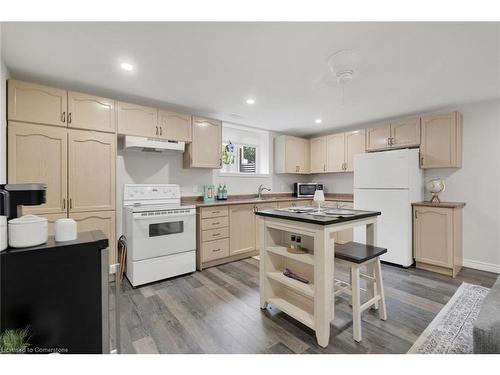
134 119
37 104
341 148
318 155
335 152
174 126
398 134
90 112
29 102
205 150
354 144
291 155
405 132
441 141
377 137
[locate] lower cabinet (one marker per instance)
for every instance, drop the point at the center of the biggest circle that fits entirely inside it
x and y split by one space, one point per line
345 235
437 238
51 219
241 228
100 220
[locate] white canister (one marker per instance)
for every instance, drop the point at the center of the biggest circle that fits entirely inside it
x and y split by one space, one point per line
65 230
28 230
3 232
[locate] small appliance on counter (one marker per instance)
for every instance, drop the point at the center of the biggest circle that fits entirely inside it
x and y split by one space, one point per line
65 230
29 230
306 189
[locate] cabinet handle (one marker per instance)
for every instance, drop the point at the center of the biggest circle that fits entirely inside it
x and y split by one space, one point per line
70 203
64 203
215 234
324 167
157 130
416 216
217 223
215 250
69 118
63 117
161 130
421 160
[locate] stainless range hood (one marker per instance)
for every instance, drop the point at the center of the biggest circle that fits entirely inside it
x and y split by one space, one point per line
152 144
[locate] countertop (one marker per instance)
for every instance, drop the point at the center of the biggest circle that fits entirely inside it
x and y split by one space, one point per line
440 205
95 236
266 198
316 219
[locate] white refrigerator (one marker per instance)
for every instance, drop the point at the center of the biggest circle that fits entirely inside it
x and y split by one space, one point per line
389 181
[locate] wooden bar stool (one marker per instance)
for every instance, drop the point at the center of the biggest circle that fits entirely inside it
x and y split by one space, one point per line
355 256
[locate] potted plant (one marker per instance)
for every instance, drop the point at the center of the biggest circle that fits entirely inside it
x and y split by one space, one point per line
14 341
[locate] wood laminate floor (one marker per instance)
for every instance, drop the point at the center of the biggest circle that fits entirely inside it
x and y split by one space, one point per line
217 311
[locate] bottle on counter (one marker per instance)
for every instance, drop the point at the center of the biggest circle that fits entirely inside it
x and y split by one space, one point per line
220 192
224 192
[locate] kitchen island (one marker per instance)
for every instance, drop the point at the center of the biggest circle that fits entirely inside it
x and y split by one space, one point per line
310 303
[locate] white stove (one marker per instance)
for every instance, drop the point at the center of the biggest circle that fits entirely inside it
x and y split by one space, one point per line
160 232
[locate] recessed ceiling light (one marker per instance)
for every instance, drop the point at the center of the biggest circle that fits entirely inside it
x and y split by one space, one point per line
250 101
318 121
127 66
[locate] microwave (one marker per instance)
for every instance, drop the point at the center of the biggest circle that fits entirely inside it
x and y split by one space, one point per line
306 189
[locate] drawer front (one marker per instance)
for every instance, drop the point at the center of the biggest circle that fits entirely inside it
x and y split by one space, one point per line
214 223
213 212
214 250
214 234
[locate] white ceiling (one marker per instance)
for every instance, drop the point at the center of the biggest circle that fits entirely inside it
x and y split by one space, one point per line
211 68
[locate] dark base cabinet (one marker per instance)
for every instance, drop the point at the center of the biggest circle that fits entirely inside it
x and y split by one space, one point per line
59 290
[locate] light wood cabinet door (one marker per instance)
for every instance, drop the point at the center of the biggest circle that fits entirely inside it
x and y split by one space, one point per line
29 102
101 220
405 132
377 137
354 144
92 158
335 152
38 154
318 154
433 236
258 219
441 145
137 120
297 155
90 112
174 126
241 228
205 150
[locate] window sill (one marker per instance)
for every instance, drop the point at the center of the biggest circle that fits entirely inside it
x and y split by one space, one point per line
251 175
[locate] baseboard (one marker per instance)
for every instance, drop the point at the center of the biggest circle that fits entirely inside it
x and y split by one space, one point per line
489 267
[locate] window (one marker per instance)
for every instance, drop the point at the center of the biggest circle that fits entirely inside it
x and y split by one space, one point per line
239 158
245 151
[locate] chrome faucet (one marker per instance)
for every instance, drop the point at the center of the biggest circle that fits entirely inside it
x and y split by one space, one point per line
261 188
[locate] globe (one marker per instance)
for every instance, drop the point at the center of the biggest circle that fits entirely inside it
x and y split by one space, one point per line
435 186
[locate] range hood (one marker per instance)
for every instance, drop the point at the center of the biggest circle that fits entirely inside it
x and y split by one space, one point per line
152 144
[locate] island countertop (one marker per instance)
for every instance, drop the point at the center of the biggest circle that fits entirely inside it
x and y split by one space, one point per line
315 218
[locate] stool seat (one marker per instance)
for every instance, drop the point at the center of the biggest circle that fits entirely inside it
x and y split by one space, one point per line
356 252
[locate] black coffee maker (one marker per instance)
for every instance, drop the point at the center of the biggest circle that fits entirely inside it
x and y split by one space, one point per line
13 196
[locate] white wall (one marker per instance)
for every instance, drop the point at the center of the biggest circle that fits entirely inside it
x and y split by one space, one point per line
477 183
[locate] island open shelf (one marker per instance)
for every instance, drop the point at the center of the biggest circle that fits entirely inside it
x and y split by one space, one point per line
310 303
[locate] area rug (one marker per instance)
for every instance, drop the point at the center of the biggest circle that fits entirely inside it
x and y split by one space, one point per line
451 329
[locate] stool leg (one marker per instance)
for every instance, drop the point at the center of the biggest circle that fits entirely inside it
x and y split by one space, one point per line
356 304
371 285
382 312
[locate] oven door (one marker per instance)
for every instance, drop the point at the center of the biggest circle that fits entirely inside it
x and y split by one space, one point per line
306 190
162 234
